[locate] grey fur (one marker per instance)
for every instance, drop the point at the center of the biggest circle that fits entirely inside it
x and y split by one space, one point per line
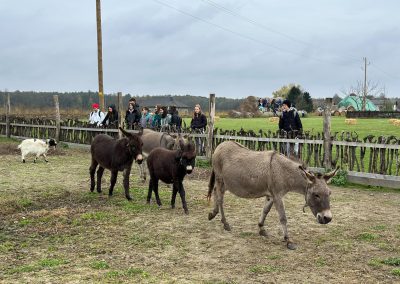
252 174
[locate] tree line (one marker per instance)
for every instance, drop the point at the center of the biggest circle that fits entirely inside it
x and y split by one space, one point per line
84 100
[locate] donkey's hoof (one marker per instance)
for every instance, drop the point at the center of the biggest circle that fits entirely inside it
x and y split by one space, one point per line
291 246
186 211
210 216
227 227
263 233
129 198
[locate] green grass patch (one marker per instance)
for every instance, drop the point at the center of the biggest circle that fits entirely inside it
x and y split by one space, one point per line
6 246
261 269
23 268
273 257
200 163
379 228
369 237
99 264
130 272
320 261
52 262
375 263
393 261
396 271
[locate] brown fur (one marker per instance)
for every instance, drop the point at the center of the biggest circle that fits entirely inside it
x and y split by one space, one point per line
115 155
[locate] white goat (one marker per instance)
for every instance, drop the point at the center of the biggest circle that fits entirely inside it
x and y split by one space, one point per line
37 147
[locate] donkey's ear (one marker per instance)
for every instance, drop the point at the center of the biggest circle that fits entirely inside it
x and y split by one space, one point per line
310 176
127 134
330 175
181 144
178 155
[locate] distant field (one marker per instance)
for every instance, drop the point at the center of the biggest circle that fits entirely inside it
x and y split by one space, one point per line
363 127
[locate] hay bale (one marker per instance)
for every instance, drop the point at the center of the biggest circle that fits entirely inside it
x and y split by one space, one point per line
274 119
396 122
392 120
350 121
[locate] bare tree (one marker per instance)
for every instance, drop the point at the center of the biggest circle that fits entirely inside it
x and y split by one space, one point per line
373 89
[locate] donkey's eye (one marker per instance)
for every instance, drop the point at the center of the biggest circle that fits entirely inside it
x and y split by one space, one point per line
316 196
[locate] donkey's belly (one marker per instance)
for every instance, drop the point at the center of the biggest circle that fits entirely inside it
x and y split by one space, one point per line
245 190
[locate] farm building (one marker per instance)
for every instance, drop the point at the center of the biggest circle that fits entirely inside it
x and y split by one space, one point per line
353 102
151 102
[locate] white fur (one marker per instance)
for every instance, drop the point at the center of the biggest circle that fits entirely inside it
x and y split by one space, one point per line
36 147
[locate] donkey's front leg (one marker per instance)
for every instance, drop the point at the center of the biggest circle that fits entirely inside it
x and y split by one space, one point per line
264 213
282 218
126 174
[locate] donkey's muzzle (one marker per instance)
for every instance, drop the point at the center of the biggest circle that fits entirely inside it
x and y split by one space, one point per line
139 159
324 217
189 169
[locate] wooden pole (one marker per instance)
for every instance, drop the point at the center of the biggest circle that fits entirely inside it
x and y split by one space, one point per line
58 118
99 55
210 137
327 134
8 110
120 113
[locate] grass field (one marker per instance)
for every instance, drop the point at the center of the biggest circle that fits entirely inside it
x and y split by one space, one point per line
53 230
363 127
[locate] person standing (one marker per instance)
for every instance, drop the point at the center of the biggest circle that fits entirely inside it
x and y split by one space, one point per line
132 116
198 125
145 120
176 120
111 119
289 120
96 116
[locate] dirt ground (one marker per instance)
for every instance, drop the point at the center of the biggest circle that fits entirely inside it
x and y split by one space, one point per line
53 230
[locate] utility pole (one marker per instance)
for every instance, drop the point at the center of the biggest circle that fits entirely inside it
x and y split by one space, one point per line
365 85
99 55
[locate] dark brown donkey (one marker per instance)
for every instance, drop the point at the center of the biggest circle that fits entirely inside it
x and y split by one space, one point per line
115 155
171 166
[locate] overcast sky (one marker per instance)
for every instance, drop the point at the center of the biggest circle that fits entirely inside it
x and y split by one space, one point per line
231 48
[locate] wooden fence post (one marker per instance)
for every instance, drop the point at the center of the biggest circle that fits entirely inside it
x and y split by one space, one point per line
58 118
8 110
327 134
210 136
120 113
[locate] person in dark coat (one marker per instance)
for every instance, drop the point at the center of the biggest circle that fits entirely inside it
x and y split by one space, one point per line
111 119
289 119
176 120
132 116
198 125
199 120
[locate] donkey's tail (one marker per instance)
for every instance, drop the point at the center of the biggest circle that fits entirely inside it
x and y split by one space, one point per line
211 185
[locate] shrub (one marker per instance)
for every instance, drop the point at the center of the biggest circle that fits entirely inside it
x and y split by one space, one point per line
340 179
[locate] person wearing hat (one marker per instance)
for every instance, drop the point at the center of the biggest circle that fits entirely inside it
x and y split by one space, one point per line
289 120
96 116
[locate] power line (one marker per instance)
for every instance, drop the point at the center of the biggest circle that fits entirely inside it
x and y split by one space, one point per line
384 72
253 22
236 33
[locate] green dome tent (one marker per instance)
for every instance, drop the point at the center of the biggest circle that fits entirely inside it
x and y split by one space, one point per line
354 103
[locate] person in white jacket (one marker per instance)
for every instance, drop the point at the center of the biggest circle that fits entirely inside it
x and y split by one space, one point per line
96 116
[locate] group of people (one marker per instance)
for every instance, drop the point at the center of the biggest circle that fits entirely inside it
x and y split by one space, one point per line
161 117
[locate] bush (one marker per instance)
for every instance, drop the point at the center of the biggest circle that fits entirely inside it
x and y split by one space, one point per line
340 179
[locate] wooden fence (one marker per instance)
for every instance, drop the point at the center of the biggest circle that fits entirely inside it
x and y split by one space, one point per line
368 158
